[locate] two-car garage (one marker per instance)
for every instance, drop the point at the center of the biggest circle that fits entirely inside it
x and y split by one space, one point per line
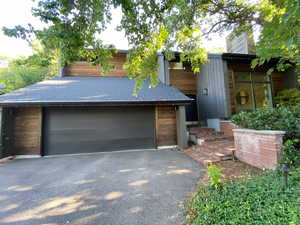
88 129
71 115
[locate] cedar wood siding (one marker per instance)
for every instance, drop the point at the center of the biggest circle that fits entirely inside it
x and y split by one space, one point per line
277 79
85 69
166 132
184 81
27 131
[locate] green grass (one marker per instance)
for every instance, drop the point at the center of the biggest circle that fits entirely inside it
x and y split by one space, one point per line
259 201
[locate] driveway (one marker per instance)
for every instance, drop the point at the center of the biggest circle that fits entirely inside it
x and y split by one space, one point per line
122 188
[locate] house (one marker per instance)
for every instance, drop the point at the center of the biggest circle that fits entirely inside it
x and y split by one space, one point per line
83 112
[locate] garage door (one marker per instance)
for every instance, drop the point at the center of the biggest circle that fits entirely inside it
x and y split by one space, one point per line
85 130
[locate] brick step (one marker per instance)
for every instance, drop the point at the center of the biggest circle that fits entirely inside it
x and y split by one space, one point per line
212 152
214 138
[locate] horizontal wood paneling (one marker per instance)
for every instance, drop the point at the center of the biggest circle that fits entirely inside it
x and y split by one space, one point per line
184 81
85 69
166 132
27 131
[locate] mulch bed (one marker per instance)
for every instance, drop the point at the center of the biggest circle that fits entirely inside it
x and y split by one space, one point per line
233 170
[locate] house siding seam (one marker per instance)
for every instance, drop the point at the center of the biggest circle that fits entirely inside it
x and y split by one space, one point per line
27 131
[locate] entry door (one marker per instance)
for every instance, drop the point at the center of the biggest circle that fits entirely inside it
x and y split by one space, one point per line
191 109
84 130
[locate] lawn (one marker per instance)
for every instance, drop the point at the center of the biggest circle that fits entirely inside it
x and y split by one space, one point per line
258 200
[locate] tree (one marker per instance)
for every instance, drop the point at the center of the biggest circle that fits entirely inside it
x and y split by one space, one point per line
25 71
156 25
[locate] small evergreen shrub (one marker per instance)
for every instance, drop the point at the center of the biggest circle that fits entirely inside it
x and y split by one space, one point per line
289 97
215 175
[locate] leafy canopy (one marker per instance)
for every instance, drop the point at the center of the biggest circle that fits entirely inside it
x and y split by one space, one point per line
25 71
154 25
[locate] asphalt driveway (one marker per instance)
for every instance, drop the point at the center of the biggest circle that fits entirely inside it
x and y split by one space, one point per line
124 188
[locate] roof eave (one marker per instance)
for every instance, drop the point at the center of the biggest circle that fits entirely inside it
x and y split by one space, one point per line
113 103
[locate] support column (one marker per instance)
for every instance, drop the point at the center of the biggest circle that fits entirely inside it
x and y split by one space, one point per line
182 138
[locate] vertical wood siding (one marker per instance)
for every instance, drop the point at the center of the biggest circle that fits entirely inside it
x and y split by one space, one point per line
27 131
85 69
184 81
166 132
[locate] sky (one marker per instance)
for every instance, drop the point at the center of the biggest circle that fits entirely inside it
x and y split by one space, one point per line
18 12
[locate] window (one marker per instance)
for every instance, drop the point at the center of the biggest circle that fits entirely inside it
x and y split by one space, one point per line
252 91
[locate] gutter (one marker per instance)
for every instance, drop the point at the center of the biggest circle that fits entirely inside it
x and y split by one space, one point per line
113 103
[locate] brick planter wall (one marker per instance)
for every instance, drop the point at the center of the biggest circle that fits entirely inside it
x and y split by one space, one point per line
258 148
227 126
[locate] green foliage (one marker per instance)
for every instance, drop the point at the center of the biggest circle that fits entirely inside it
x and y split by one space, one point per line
280 33
215 176
151 26
289 97
281 118
291 153
25 71
16 77
260 201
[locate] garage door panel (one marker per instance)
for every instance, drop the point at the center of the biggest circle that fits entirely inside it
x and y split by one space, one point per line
93 146
98 130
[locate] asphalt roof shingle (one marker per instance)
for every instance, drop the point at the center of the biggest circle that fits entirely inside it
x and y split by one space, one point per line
66 90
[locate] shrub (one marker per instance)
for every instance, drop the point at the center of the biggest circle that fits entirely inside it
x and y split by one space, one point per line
260 201
215 175
281 118
291 153
289 97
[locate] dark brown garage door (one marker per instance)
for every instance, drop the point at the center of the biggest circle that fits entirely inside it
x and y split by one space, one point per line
85 130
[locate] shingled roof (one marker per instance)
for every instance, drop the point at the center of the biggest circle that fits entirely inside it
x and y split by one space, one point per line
92 91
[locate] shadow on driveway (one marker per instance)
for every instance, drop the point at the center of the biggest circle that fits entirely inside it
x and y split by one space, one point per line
124 188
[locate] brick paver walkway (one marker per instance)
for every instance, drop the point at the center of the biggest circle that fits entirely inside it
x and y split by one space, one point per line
216 146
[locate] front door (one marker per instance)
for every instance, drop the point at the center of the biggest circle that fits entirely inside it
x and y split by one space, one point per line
191 110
